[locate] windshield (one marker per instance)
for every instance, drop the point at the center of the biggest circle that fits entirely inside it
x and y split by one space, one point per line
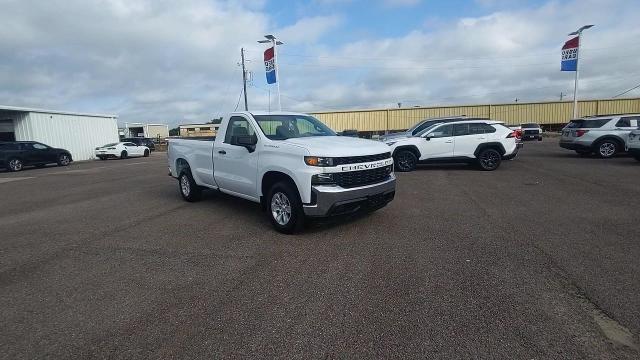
424 131
530 126
282 127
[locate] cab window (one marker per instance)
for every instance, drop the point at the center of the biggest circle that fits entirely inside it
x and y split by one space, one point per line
238 126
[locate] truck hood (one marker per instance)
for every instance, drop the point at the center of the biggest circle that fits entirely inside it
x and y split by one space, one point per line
339 146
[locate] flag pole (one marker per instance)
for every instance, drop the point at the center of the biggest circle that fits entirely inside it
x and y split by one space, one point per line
575 85
575 89
275 60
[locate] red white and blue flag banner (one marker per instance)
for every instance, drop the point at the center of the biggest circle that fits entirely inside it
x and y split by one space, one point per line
270 65
570 55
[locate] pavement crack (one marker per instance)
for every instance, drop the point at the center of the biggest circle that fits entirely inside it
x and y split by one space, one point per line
611 328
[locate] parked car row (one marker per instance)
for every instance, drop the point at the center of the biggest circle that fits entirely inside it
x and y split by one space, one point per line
604 135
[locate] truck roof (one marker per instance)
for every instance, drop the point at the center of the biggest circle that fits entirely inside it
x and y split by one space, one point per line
262 112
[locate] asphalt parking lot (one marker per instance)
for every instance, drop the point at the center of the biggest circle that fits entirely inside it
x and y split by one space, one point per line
537 260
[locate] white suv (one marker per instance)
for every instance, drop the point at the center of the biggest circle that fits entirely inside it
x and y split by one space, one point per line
633 144
482 142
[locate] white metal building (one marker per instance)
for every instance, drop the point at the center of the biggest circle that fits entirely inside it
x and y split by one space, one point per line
79 133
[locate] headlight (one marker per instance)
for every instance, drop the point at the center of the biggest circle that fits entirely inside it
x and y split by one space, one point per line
322 179
318 161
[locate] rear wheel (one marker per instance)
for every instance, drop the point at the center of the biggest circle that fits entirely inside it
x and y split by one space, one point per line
489 159
123 154
102 157
405 160
285 208
64 160
146 153
607 148
189 190
15 164
637 157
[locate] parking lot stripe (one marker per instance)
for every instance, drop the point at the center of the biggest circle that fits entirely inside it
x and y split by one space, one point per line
6 180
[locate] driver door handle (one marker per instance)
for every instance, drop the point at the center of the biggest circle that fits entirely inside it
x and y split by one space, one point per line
222 152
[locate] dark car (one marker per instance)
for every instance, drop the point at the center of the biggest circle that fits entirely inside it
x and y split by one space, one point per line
141 142
14 156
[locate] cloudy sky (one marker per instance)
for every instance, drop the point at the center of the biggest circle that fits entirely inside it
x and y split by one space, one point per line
176 61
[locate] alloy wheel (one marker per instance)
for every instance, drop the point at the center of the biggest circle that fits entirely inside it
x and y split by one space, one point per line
185 186
281 208
15 164
405 161
64 160
607 149
489 159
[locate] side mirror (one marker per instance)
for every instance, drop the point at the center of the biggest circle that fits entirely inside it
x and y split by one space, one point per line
248 141
429 136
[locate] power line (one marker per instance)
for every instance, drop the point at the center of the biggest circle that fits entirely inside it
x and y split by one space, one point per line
624 92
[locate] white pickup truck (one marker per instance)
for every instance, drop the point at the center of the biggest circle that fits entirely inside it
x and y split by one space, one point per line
292 164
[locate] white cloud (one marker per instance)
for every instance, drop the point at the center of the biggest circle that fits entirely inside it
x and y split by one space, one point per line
155 61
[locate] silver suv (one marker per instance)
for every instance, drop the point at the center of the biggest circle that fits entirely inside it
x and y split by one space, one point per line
604 135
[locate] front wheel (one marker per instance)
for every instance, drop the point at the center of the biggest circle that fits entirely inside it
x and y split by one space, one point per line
189 190
637 157
285 208
405 160
146 153
64 160
123 155
489 159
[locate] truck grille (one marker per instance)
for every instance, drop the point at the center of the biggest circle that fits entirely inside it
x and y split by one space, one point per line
531 132
363 177
360 159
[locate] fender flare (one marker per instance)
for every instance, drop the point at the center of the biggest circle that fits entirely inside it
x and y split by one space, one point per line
615 138
412 148
493 145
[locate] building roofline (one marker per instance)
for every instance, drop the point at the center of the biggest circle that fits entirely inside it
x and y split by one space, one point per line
427 107
58 112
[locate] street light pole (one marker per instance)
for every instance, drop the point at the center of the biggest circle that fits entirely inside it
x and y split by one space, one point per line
575 88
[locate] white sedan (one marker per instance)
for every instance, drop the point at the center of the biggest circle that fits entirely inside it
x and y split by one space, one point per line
121 150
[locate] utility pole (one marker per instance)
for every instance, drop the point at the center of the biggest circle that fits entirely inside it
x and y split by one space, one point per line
561 95
244 80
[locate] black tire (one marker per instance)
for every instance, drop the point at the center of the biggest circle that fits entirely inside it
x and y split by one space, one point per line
606 149
282 196
539 138
64 160
15 165
637 157
146 153
189 190
123 154
405 160
489 159
102 157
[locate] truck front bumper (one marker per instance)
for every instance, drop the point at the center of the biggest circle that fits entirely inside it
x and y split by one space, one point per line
335 200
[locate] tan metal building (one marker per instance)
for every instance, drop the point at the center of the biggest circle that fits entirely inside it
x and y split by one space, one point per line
205 130
549 114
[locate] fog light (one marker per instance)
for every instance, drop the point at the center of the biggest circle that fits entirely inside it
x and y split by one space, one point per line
322 179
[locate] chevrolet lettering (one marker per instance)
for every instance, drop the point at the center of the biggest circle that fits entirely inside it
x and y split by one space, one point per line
374 165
